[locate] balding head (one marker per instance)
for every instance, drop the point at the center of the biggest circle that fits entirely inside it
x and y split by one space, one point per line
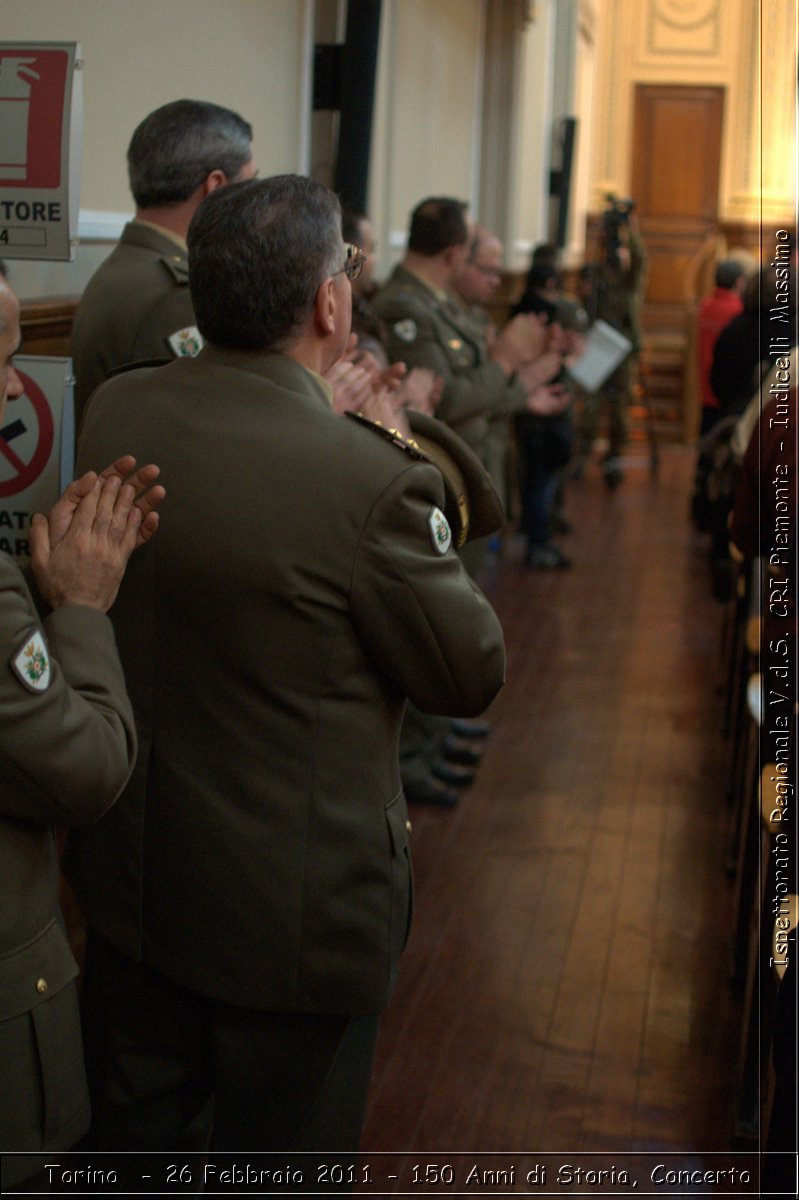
479 275
437 224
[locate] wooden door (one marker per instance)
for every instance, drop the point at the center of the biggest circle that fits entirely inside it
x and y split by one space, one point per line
675 184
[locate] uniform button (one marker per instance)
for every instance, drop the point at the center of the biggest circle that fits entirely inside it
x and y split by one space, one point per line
408 827
41 986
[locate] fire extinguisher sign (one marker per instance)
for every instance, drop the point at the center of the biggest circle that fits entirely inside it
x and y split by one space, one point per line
41 115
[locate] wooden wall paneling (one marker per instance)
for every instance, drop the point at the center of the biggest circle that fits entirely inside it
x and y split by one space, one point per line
46 325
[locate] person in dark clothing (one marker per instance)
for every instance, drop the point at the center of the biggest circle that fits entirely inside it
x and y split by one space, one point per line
742 346
723 305
544 443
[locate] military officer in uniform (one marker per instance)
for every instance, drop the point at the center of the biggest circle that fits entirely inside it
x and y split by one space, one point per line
137 305
249 898
474 285
428 327
67 745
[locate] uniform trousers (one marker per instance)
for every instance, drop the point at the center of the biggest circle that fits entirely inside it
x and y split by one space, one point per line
615 396
170 1069
421 744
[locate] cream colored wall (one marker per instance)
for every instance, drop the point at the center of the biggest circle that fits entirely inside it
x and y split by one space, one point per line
426 123
255 56
250 55
720 42
585 49
539 69
760 166
528 175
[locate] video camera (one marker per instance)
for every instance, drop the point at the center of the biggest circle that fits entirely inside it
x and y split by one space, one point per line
614 218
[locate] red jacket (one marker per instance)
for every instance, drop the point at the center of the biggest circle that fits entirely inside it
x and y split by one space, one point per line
715 311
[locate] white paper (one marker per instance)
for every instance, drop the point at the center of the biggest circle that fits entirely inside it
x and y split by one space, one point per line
604 349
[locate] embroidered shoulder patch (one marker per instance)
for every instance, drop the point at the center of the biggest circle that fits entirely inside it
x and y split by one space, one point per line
185 343
31 664
440 532
406 330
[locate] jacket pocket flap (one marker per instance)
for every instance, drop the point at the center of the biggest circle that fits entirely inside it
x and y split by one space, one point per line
35 972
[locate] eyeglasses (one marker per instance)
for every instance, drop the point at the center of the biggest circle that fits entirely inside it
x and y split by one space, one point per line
493 272
354 264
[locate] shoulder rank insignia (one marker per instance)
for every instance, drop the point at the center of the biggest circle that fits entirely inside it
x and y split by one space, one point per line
185 343
31 664
405 330
391 435
440 531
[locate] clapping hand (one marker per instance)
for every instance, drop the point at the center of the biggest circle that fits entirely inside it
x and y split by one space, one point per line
147 497
80 551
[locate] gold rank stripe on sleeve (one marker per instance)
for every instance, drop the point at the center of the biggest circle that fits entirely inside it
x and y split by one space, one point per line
427 450
391 435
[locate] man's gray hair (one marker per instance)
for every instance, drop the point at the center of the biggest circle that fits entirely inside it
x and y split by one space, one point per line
258 251
173 151
728 272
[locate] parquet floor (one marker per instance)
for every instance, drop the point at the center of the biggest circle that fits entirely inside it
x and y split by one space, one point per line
565 987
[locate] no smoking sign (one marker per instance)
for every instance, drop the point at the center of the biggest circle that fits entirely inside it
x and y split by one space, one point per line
36 447
26 439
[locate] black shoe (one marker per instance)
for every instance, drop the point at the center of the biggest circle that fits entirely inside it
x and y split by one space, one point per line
459 777
546 556
456 751
430 792
471 730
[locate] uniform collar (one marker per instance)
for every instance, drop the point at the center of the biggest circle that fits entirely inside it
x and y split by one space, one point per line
439 294
166 233
277 368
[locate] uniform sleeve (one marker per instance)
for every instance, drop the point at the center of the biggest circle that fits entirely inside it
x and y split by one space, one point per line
66 750
469 392
166 316
422 620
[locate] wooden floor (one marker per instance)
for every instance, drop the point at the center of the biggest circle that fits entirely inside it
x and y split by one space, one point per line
564 987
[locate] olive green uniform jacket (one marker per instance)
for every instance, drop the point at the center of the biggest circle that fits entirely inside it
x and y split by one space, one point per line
618 293
425 330
67 745
300 587
136 301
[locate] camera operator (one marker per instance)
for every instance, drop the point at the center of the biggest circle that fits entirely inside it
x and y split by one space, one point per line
615 292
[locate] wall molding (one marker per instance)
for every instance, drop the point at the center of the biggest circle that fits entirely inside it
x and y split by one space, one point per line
98 226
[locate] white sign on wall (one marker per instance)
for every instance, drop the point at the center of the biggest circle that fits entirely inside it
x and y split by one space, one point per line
41 120
37 447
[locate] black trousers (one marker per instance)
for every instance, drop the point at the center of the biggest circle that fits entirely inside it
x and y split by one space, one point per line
172 1070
